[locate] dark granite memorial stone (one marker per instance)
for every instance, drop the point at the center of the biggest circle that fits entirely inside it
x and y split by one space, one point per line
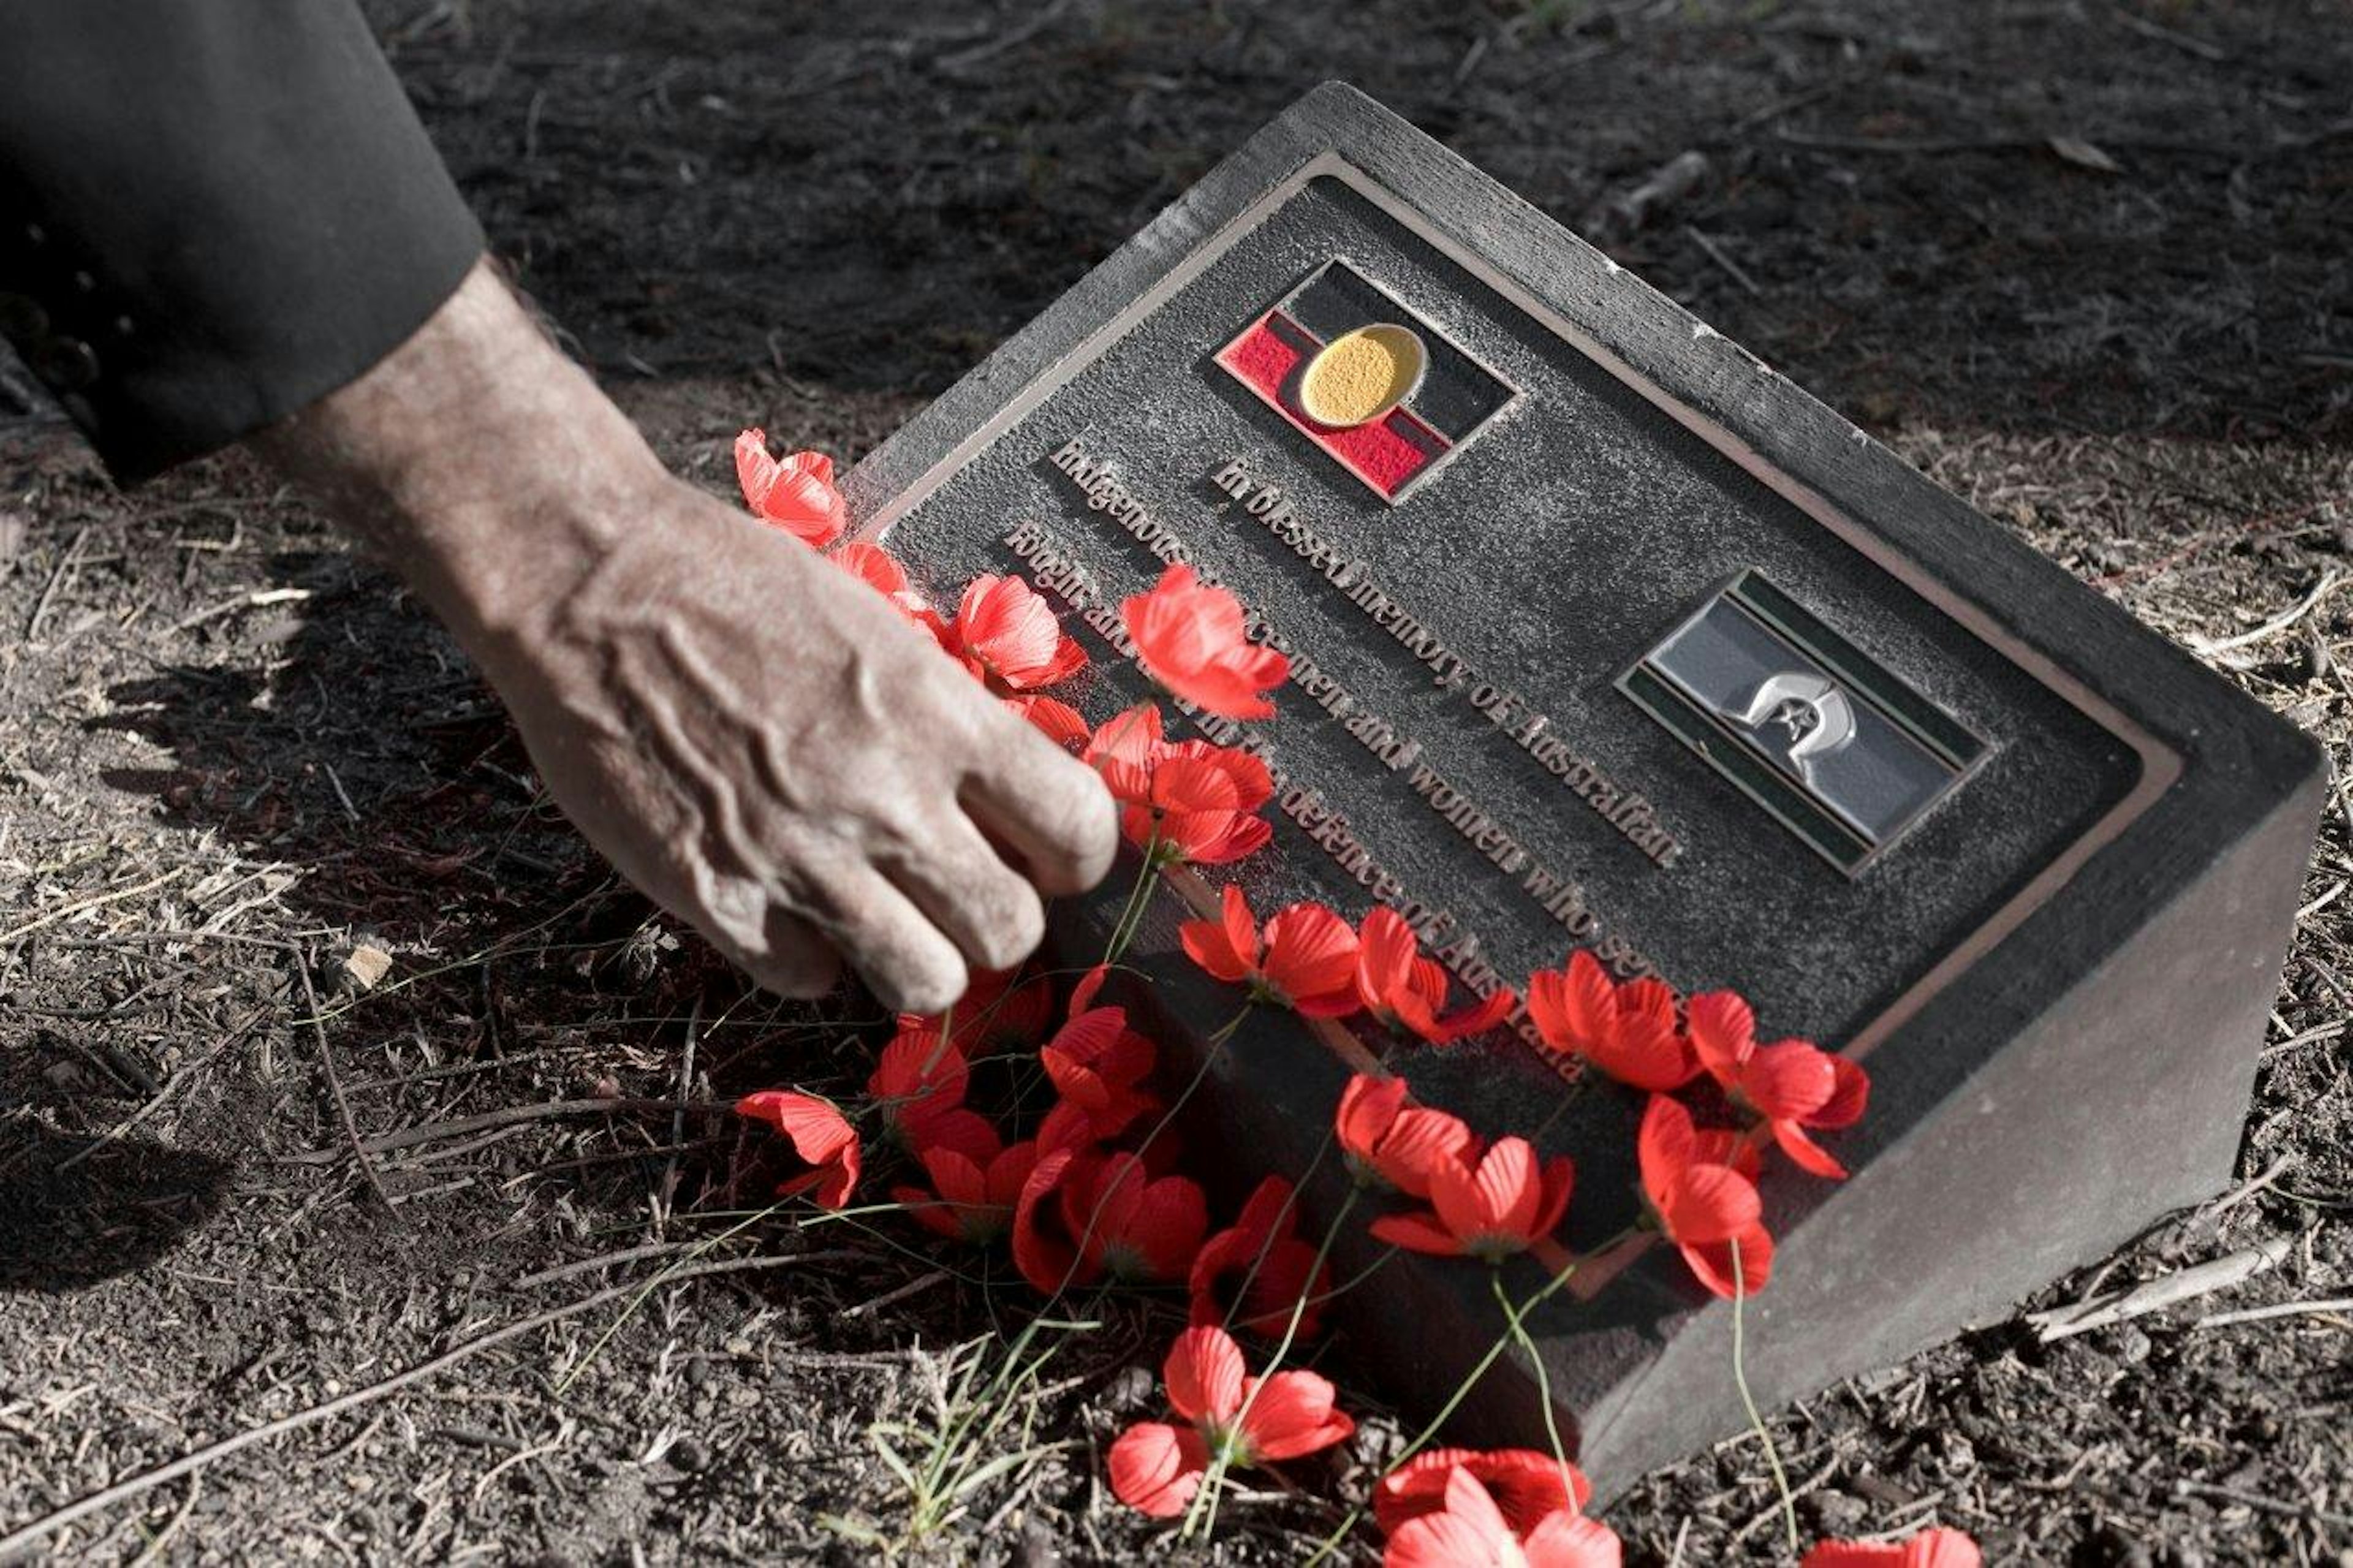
1607 635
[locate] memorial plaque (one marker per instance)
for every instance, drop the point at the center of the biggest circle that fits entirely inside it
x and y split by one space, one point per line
1604 635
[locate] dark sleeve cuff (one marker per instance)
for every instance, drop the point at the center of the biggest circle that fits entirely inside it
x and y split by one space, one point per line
211 215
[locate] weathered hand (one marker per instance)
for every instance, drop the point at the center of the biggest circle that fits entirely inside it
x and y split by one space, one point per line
756 739
751 735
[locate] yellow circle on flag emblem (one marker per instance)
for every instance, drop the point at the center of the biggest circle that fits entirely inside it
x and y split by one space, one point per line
1360 375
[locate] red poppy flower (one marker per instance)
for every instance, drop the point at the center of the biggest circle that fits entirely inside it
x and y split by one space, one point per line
997 1012
1189 802
918 1085
1255 1272
796 494
1391 1143
1098 1064
1201 806
1057 721
1404 990
1157 1467
1138 1228
1468 1530
1191 638
1503 1204
1705 1207
1789 1086
1006 633
1306 960
1626 1031
1937 1548
1044 1254
971 1200
1527 1486
818 1134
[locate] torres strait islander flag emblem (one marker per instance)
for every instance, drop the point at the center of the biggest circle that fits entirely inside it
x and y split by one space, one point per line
1385 395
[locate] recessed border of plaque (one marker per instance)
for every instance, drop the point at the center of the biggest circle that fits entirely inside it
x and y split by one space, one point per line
1833 745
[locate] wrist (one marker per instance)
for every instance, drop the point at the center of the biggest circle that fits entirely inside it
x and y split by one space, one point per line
483 466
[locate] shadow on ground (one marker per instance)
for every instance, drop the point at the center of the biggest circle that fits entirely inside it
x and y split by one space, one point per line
77 1210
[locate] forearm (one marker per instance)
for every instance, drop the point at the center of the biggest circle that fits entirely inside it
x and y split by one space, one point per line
479 462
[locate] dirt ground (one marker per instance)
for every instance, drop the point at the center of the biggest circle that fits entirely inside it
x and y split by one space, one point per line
229 752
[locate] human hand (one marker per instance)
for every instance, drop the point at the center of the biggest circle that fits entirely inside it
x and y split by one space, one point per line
751 735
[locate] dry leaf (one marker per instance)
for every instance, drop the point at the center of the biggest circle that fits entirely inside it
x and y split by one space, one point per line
2083 155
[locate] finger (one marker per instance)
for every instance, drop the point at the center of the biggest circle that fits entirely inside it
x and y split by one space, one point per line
780 952
983 905
1051 808
906 959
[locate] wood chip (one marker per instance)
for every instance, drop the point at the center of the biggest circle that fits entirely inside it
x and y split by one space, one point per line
368 966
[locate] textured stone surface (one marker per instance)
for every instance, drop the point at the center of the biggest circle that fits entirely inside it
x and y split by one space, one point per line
2117 866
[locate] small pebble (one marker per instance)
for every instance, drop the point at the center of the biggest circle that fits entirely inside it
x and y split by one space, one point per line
688 1456
1132 1388
1037 1549
1837 1513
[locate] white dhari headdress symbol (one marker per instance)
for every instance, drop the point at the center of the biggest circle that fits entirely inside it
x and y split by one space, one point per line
1816 713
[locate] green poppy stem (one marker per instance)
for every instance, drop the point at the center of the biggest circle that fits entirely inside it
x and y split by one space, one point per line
1748 1403
1519 1331
1139 899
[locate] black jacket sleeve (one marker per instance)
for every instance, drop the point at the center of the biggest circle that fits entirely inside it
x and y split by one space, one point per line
212 214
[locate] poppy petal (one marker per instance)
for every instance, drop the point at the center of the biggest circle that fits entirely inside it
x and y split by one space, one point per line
1204 1373
1804 1152
1722 1030
1849 1096
1290 1415
1790 1079
1509 1189
1155 1468
1709 1203
1385 950
1368 1108
1476 1019
1417 1233
1446 1541
1418 1142
1567 1540
1526 1484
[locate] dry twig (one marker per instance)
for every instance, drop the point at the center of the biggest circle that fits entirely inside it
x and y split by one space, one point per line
2155 1295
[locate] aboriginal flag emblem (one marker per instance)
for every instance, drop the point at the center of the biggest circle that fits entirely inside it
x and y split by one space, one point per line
1380 390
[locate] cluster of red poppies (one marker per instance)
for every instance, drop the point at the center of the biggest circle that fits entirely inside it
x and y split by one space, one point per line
1492 1201
1084 1198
